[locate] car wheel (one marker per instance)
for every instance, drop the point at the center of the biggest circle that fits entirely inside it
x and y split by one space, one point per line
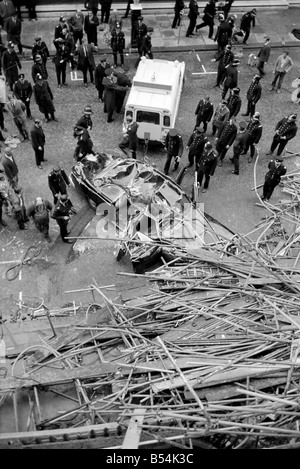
92 204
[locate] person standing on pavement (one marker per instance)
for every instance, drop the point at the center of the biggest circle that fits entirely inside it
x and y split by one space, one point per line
10 167
23 91
174 149
60 59
204 112
206 165
263 56
7 9
17 109
39 211
76 24
195 146
130 139
18 207
31 6
14 29
254 130
178 9
58 30
58 182
253 95
105 10
10 65
129 2
39 68
234 102
61 214
69 41
38 141
273 177
40 48
99 75
86 61
44 98
208 18
282 66
239 146
285 130
117 44
225 57
85 120
92 5
140 30
146 46
91 22
114 19
231 77
192 15
246 21
220 116
225 138
223 34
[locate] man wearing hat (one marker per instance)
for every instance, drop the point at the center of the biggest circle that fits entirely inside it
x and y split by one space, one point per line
59 27
86 61
38 141
146 46
39 68
124 81
174 148
60 59
39 211
84 144
117 44
263 56
130 139
223 34
195 146
285 130
246 21
23 91
224 57
58 182
44 98
138 32
85 121
254 129
204 112
253 95
41 49
220 116
234 102
239 146
10 167
18 207
109 96
17 109
231 77
99 75
10 65
225 137
14 29
206 165
61 214
273 177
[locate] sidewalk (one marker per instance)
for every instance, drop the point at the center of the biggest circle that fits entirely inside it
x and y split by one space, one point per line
275 24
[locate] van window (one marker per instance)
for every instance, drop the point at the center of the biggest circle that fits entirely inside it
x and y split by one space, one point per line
145 116
167 121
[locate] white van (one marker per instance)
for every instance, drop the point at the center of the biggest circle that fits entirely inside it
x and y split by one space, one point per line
154 97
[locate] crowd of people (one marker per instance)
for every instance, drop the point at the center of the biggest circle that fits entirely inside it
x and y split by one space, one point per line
75 41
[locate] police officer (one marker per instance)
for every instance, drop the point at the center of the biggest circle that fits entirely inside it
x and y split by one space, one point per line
273 177
174 148
140 30
58 182
239 146
234 102
285 130
23 92
225 138
206 165
61 214
253 95
195 145
85 121
204 112
117 44
254 129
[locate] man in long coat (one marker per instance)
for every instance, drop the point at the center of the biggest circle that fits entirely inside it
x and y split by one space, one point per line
225 57
10 167
273 177
110 88
231 77
17 109
44 98
38 141
225 138
285 130
10 65
99 75
195 145
23 91
204 112
263 56
86 61
91 22
253 95
58 182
